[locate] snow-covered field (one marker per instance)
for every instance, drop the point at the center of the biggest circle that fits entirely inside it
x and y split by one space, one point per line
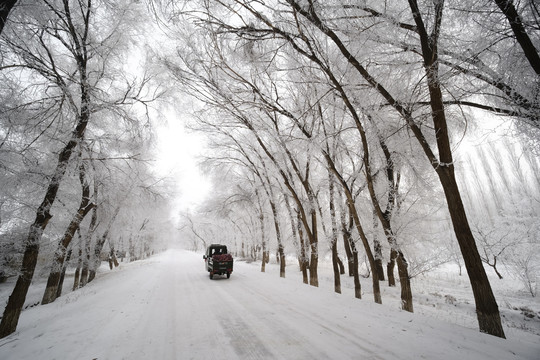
166 307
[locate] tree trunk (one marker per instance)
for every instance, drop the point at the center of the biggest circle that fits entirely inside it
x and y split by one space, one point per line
263 253
377 249
84 275
13 309
335 266
352 210
357 286
17 298
295 230
263 235
348 252
304 263
405 283
335 257
341 266
390 268
76 278
86 257
311 232
280 252
385 217
314 246
313 266
375 278
530 51
487 310
58 263
379 267
347 237
406 291
280 255
110 261
282 262
63 275
112 258
96 261
60 254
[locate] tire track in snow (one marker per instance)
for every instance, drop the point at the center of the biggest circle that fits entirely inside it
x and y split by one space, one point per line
300 319
199 331
286 333
245 342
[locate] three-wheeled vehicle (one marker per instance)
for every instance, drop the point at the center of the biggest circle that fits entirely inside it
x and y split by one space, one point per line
218 260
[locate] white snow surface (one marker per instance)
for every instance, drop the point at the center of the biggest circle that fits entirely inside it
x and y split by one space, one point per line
166 307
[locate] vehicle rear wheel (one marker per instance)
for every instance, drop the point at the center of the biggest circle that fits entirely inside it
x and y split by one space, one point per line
211 276
228 275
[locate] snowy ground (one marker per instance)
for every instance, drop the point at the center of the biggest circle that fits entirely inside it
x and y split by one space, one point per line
166 307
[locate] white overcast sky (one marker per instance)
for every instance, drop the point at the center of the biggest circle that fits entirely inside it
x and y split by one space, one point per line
178 150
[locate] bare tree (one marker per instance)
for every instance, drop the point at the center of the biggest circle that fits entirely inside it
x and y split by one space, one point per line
80 54
85 207
486 306
67 55
213 93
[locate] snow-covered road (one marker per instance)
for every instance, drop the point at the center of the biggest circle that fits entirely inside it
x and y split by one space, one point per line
166 307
